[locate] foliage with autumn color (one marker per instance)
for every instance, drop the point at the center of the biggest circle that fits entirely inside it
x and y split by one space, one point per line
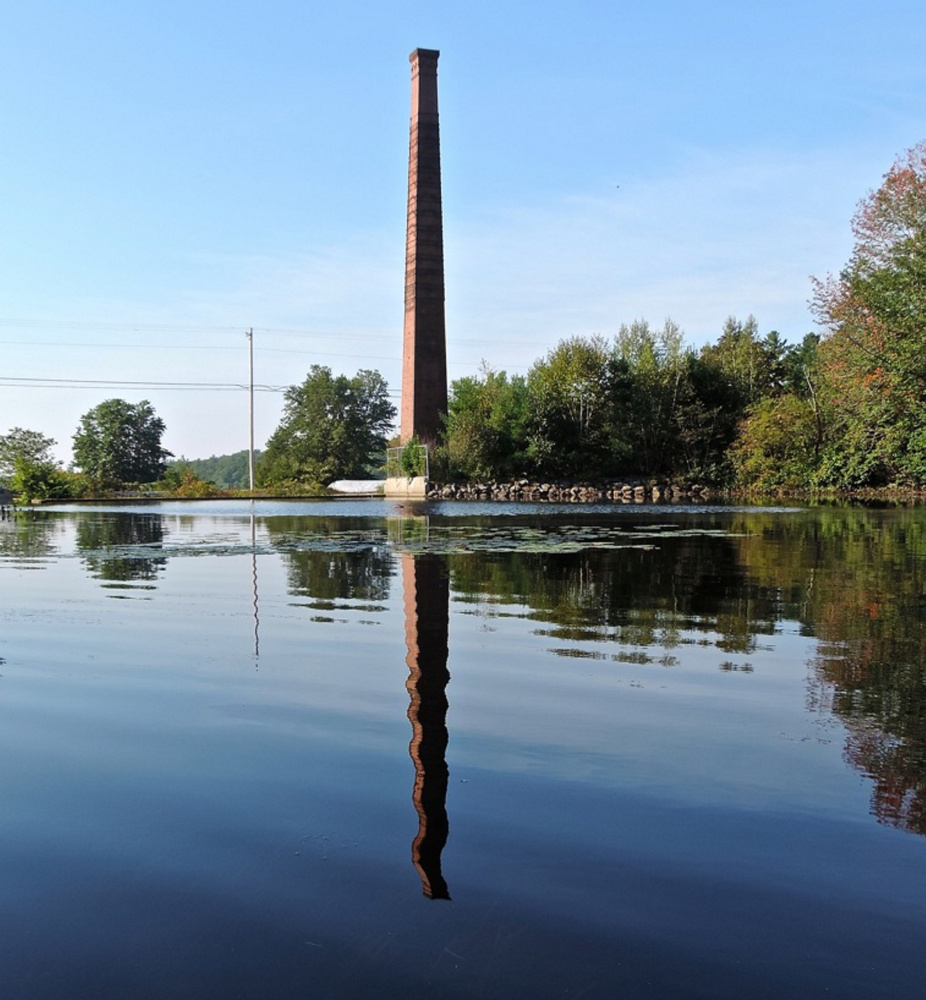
841 410
873 359
845 410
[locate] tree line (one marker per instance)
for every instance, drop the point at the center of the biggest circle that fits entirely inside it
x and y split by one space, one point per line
116 443
640 404
843 409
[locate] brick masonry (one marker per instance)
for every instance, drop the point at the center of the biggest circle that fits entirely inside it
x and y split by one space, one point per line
424 356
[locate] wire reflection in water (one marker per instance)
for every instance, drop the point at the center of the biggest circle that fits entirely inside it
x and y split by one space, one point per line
254 587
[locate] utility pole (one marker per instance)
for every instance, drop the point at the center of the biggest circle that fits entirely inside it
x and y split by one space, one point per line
250 336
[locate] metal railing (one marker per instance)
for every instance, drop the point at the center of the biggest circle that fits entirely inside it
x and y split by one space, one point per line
409 461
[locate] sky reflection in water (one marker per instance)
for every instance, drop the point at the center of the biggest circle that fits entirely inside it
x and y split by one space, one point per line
356 749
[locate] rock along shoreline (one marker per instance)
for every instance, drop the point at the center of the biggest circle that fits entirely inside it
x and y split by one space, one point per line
571 492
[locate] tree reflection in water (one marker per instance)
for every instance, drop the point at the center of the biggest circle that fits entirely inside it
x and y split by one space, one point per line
343 563
853 578
29 537
122 547
861 581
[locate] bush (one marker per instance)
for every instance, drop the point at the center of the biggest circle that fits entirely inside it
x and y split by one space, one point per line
776 447
43 481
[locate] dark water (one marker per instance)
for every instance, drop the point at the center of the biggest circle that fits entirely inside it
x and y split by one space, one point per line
373 750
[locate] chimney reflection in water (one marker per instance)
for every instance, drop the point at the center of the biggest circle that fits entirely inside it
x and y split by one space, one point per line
427 612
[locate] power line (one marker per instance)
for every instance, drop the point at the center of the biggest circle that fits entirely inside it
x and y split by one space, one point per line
201 347
114 346
149 328
80 324
76 383
316 352
95 383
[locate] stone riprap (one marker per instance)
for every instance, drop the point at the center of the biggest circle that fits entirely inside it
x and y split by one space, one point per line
570 492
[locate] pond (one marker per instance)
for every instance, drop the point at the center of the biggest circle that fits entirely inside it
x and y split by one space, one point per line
363 749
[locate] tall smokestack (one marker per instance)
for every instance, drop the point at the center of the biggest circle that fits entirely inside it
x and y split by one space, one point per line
424 356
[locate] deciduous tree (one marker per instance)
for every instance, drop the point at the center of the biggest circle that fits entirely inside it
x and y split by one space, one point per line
487 425
21 446
654 361
873 359
120 442
577 395
333 427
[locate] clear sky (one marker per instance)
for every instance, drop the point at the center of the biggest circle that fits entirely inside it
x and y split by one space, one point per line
174 173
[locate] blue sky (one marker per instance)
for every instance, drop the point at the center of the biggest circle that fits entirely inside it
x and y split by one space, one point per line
176 173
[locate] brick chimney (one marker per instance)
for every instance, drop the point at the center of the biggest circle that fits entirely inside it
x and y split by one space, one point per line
424 356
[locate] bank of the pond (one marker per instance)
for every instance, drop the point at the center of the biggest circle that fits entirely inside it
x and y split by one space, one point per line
636 491
626 491
648 491
156 498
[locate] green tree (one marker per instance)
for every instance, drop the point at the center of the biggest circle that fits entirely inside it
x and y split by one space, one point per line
42 481
755 366
800 366
487 424
873 357
577 394
181 479
705 418
778 445
226 471
772 415
20 448
333 427
655 363
119 442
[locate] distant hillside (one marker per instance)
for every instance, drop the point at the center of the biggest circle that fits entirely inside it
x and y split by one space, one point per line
228 471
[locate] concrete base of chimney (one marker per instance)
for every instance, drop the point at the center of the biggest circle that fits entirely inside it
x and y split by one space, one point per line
404 486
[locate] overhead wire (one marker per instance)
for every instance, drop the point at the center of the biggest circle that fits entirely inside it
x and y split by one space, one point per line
97 383
51 382
148 328
38 382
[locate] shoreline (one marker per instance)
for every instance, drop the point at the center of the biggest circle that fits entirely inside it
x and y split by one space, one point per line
546 491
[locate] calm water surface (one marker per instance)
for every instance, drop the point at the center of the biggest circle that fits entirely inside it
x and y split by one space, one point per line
363 749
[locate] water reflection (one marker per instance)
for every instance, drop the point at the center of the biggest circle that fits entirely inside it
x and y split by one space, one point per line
427 615
857 581
254 594
122 548
620 588
346 562
29 538
692 839
634 604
